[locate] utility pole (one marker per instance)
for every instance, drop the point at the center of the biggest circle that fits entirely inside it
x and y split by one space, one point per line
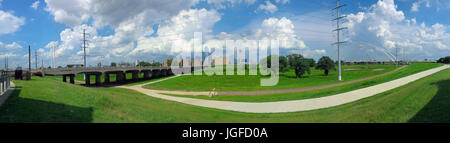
53 55
35 59
84 47
29 58
6 61
338 29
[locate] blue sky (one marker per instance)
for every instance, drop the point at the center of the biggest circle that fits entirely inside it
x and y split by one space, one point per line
145 29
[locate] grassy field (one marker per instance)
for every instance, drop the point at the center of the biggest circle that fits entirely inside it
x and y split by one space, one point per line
409 70
252 83
47 100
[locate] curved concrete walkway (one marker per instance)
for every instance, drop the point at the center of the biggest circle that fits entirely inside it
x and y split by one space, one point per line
294 105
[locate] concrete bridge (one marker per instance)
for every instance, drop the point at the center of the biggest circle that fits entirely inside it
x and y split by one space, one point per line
120 72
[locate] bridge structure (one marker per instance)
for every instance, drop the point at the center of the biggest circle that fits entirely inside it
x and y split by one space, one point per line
120 72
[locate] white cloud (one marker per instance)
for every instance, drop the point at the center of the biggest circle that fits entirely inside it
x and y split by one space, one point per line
282 1
222 3
10 23
103 13
382 25
13 51
35 5
416 5
178 34
282 29
269 7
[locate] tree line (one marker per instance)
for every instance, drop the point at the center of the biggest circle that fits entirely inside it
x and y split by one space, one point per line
301 65
444 60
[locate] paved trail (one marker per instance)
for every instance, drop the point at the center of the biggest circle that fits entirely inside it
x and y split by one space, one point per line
294 105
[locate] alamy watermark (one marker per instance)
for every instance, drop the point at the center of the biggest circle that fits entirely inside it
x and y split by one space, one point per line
230 57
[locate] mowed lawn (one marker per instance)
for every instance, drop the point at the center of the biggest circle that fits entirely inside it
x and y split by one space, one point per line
252 82
409 70
47 100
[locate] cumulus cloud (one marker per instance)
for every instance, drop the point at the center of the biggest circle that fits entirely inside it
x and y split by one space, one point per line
281 29
268 7
10 23
13 51
131 41
103 13
385 27
35 5
132 22
176 36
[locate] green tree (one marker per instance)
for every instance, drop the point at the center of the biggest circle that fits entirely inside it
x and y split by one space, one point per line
311 62
144 64
156 64
113 64
299 64
169 62
325 63
284 67
282 62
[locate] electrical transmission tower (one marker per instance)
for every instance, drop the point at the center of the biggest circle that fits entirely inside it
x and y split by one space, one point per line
84 46
338 30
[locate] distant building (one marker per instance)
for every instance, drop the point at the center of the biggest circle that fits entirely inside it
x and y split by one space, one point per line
124 64
165 63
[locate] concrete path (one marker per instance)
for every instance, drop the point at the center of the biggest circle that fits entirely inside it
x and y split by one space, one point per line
294 105
266 92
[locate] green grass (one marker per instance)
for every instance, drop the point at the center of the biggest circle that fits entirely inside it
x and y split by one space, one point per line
409 70
252 83
47 100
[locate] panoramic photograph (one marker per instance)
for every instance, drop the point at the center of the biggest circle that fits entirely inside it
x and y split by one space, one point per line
224 61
